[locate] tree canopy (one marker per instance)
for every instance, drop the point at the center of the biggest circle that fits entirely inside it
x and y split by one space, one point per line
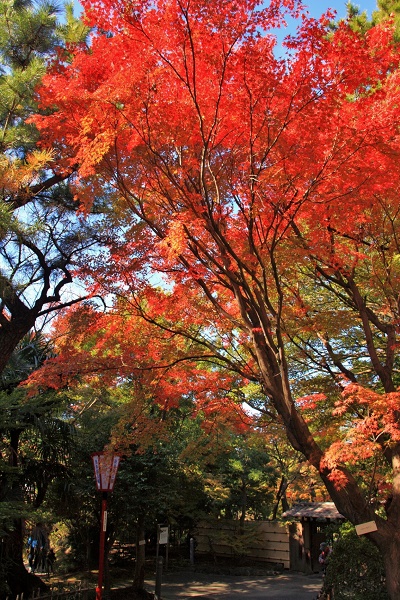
253 210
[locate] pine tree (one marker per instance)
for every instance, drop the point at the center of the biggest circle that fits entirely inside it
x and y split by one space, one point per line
38 230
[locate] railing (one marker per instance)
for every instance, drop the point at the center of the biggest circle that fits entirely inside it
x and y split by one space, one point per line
75 593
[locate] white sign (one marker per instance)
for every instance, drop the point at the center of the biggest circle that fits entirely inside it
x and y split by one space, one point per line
366 528
163 537
105 521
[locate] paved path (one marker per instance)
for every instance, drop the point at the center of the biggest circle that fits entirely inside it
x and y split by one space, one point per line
201 586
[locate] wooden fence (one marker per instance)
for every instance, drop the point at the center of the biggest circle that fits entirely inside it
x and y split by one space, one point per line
263 541
76 593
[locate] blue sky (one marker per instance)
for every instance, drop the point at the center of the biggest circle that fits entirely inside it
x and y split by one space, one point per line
317 7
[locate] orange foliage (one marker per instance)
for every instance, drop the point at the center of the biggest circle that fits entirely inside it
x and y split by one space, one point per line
235 176
108 349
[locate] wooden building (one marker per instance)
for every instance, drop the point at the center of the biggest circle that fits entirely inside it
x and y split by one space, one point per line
307 531
293 545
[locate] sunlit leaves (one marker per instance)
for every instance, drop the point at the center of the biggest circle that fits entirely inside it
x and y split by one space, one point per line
257 208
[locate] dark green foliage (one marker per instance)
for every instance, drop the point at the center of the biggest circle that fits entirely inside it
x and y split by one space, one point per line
34 447
386 9
241 479
27 356
355 569
29 38
151 488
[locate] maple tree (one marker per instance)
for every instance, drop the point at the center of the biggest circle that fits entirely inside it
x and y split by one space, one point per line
263 191
132 390
107 349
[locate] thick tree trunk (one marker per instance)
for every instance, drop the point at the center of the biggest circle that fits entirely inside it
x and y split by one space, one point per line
10 336
339 482
350 502
391 556
138 575
389 542
17 577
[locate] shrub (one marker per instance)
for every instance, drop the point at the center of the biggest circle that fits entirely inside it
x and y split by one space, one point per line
355 570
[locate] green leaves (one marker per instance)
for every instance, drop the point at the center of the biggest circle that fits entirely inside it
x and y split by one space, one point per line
74 31
27 39
355 568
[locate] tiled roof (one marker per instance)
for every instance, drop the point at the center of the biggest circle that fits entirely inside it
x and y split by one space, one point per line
315 510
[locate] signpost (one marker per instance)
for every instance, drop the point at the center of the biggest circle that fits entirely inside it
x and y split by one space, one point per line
162 539
163 535
105 472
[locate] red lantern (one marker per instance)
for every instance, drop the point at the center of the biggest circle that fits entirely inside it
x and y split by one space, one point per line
105 470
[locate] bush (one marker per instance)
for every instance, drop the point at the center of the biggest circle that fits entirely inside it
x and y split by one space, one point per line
355 569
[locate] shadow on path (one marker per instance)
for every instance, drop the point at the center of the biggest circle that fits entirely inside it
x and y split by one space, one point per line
202 586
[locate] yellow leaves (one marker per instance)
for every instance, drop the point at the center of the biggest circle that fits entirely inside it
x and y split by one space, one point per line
97 135
216 490
86 125
175 241
16 174
100 147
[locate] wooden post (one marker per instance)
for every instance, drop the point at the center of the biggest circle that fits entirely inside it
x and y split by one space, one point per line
103 528
159 569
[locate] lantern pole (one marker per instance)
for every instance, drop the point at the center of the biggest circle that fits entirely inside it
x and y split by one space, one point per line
105 471
103 529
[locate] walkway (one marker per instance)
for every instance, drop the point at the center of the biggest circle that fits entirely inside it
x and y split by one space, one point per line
202 586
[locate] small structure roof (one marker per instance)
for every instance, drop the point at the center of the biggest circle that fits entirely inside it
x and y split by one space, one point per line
313 510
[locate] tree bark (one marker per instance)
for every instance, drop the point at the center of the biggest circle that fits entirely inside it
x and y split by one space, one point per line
281 497
138 575
11 333
391 556
17 577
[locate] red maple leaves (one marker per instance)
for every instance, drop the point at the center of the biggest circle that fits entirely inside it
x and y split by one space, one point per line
260 191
